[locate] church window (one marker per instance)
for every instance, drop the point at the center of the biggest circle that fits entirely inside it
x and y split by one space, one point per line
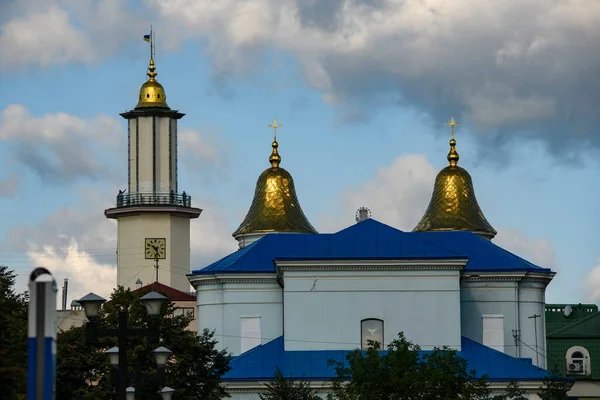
250 333
371 329
493 331
578 361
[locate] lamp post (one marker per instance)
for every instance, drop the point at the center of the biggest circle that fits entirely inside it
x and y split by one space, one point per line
153 302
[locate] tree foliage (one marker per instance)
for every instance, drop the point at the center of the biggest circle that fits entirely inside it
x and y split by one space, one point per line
13 338
282 388
404 372
194 370
554 388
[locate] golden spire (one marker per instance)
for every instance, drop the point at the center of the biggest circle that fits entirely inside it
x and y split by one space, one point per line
152 93
275 206
275 158
453 204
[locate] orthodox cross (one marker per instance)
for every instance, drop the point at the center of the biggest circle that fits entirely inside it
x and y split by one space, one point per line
452 123
275 125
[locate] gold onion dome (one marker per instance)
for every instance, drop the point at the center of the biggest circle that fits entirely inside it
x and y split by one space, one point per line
453 204
152 93
275 207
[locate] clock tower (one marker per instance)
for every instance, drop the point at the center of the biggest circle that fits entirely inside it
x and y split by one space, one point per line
153 216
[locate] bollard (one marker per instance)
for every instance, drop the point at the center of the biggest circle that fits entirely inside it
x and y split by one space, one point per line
41 353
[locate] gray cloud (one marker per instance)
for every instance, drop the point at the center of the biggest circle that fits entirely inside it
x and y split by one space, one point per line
524 70
61 148
320 14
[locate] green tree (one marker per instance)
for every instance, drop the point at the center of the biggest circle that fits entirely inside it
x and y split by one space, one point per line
513 392
13 338
404 373
194 370
282 388
554 388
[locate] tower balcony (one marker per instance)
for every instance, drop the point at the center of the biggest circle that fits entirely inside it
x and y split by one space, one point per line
151 202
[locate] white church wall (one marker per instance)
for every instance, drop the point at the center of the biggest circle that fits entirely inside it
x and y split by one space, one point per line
223 305
324 309
513 300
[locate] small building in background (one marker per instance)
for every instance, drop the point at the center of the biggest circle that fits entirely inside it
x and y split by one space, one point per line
573 346
184 302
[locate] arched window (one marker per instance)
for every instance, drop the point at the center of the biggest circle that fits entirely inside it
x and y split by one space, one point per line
371 329
578 361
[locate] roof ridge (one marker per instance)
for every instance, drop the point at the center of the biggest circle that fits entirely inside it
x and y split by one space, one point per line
575 323
409 234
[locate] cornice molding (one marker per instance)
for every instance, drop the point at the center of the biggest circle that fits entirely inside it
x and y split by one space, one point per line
370 265
536 277
218 279
247 387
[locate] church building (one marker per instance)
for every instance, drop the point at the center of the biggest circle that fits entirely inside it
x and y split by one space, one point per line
293 298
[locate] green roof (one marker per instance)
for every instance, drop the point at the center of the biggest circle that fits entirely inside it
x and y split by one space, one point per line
556 318
588 326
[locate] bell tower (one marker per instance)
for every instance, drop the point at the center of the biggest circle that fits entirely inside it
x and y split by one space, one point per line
153 216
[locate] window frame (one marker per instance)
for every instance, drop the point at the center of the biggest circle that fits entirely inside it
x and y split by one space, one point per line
585 360
363 344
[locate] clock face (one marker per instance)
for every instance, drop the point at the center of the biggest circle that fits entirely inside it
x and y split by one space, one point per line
156 248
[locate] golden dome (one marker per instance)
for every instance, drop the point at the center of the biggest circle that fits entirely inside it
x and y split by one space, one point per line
453 204
152 93
275 207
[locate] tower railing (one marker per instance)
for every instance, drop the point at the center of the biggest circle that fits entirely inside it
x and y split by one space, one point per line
154 199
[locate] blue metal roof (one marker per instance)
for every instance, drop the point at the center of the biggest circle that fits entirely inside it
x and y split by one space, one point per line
260 363
370 239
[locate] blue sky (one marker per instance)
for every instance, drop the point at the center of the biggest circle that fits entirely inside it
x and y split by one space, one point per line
362 90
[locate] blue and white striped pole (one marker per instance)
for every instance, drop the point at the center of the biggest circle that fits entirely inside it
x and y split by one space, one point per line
41 354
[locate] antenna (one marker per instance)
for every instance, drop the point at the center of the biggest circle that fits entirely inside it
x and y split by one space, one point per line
537 353
362 214
152 44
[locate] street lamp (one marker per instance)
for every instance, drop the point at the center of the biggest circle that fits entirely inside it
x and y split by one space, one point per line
166 393
153 302
162 354
113 356
91 304
130 393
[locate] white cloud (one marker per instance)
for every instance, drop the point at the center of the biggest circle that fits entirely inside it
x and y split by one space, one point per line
536 250
49 32
46 37
85 274
62 147
397 195
592 284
